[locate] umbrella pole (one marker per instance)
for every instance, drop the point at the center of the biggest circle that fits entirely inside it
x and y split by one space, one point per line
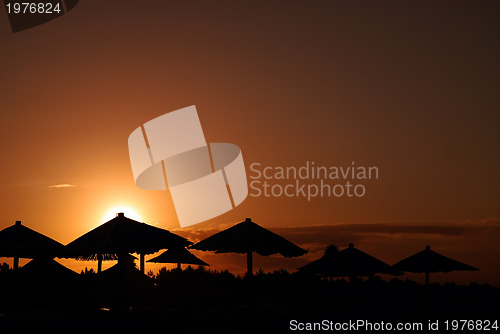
143 262
99 263
426 294
249 263
16 263
179 266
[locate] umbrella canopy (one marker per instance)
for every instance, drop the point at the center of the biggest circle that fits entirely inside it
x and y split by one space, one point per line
178 255
123 281
428 261
47 268
248 237
121 236
129 270
19 241
349 262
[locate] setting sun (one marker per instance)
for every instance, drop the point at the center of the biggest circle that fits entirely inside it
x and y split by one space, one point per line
128 212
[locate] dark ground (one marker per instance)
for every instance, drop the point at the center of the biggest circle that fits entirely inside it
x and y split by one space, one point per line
200 301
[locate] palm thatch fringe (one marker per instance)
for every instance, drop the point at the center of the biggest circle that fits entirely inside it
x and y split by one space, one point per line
96 257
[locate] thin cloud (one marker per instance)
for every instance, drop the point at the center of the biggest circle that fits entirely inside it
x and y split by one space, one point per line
323 235
62 185
490 221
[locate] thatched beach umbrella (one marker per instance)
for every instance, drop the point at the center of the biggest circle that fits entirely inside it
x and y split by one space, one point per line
178 255
127 271
121 236
19 241
428 261
324 266
246 238
46 268
349 262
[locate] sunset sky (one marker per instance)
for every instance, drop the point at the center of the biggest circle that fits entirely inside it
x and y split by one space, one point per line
408 87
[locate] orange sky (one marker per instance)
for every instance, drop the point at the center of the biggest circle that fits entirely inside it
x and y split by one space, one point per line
409 88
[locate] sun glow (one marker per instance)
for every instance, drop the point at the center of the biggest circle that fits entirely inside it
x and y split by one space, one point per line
128 212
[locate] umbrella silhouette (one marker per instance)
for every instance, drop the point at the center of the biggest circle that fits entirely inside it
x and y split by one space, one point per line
49 269
19 241
246 238
178 255
428 261
120 236
349 262
123 283
128 272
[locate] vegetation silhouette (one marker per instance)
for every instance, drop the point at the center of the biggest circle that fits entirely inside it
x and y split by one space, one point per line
199 299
